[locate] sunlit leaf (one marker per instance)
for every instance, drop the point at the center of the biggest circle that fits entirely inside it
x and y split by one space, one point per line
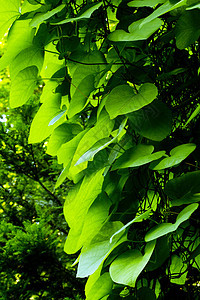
127 267
165 228
8 14
20 37
136 32
177 155
85 15
41 17
23 86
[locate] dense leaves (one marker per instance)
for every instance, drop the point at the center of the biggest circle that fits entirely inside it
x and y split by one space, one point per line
120 98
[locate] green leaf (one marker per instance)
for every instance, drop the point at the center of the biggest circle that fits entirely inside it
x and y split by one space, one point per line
177 155
137 219
56 118
40 128
102 129
142 3
100 145
8 14
177 267
193 7
100 288
41 17
23 86
79 201
20 37
85 76
153 121
61 135
136 32
127 267
187 29
184 189
165 228
193 115
137 156
32 56
92 223
100 247
85 15
163 9
123 100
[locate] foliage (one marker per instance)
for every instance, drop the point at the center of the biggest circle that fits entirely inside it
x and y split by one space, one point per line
32 226
119 106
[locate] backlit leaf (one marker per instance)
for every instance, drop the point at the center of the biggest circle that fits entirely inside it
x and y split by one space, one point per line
127 267
23 86
165 228
177 155
136 32
8 14
85 15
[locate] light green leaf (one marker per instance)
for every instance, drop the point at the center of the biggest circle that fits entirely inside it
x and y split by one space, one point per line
92 223
8 14
101 144
136 32
137 156
154 121
85 15
40 128
177 155
84 79
79 201
184 189
137 219
20 37
100 247
28 7
127 267
123 100
177 267
187 29
165 228
23 86
100 288
61 135
193 6
193 115
56 118
41 17
32 56
143 3
102 129
163 9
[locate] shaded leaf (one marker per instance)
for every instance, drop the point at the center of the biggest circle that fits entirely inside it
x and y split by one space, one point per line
184 189
187 29
123 100
153 121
